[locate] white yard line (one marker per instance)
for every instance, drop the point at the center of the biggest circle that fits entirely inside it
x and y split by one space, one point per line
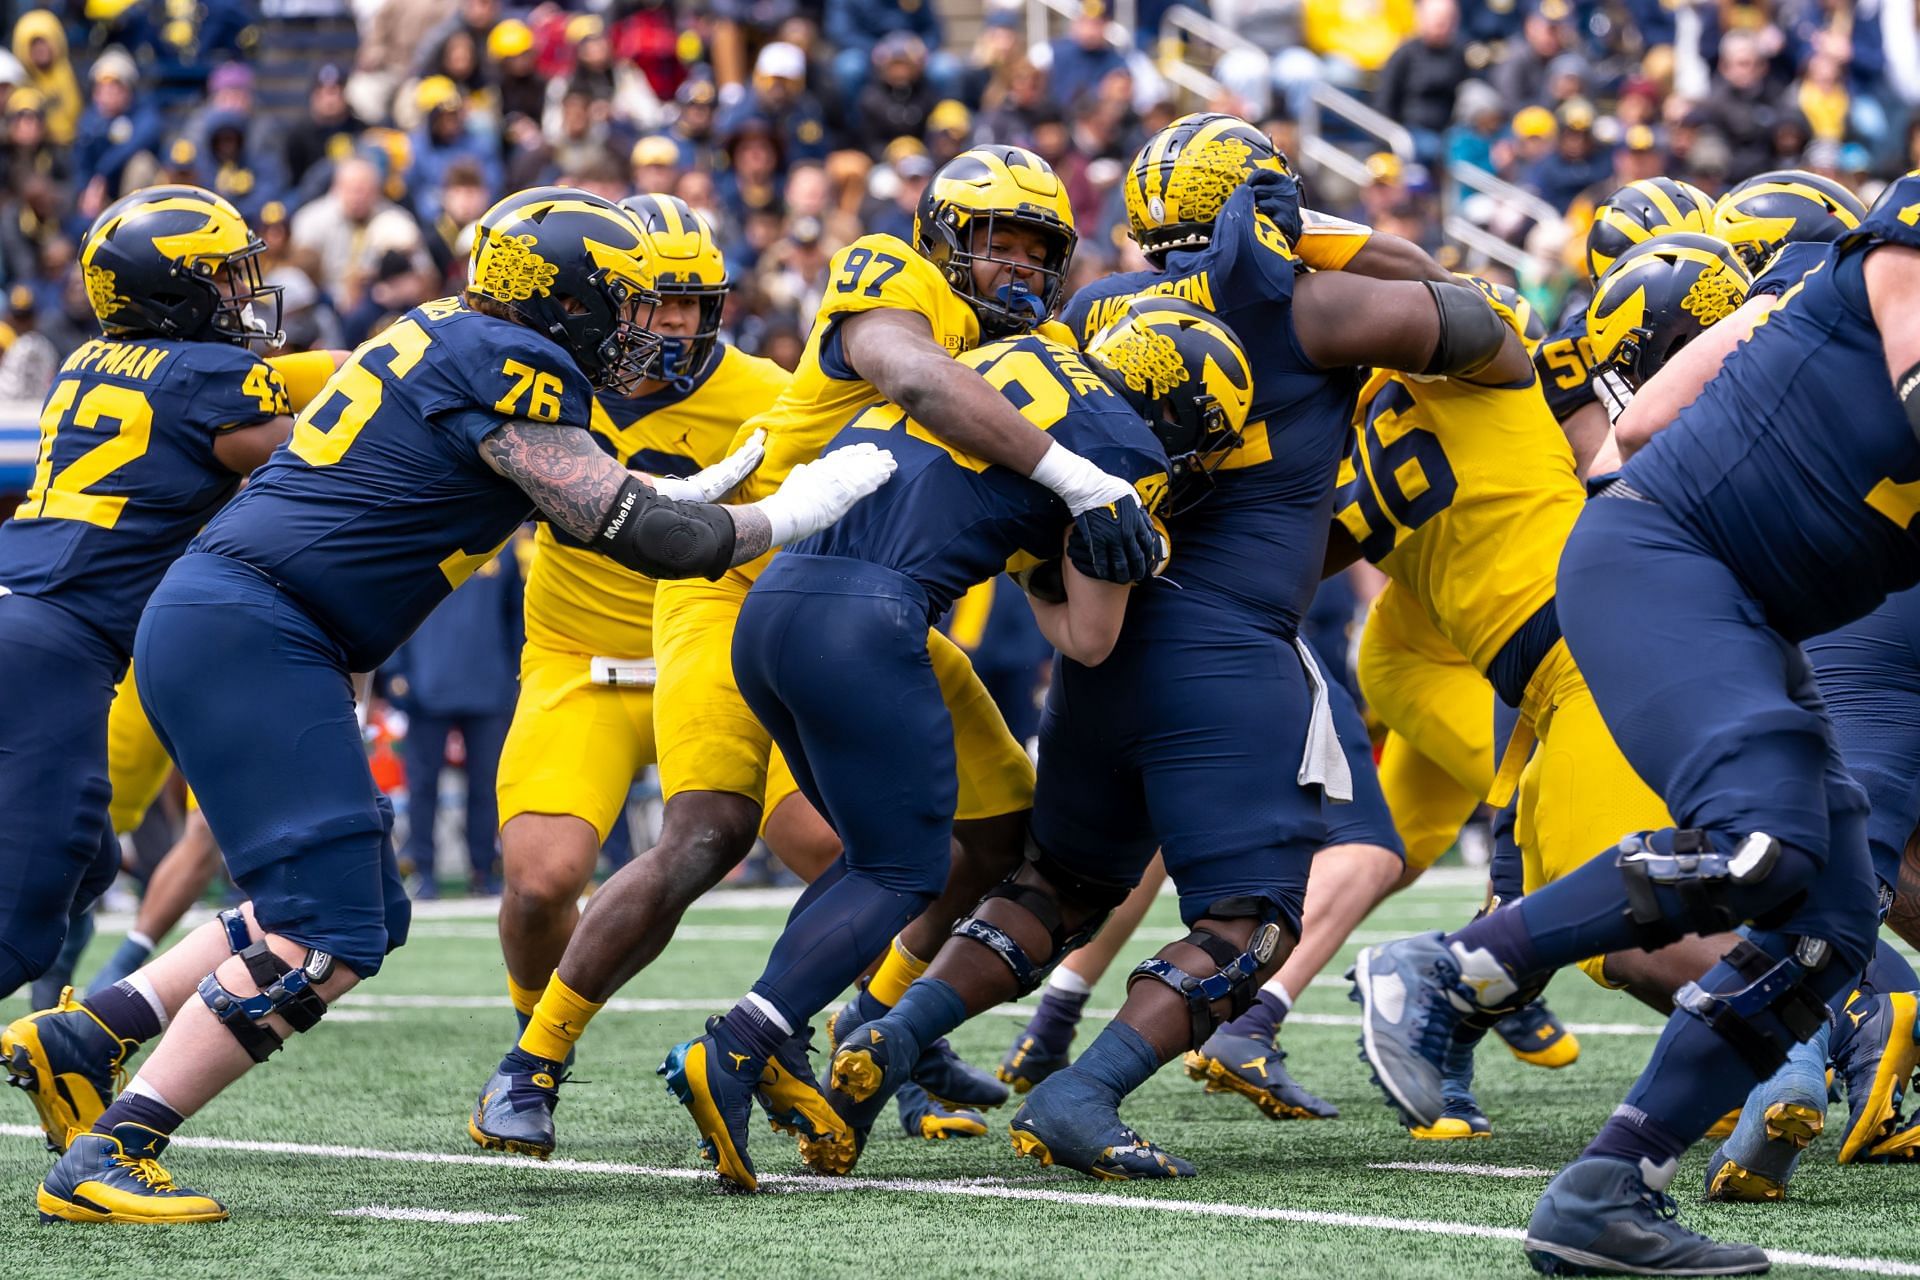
1471 1170
455 1217
984 1189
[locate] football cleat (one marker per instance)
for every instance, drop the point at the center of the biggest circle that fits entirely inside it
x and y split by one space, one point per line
714 1080
117 1177
794 1105
869 1067
924 1116
1725 1125
1462 1117
1256 1071
68 1063
1537 1037
1598 1217
1875 1053
954 1082
1029 1062
1074 1124
1408 1012
515 1110
1781 1118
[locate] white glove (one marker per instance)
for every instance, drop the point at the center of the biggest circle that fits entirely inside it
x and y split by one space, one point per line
718 480
815 494
1080 484
1613 393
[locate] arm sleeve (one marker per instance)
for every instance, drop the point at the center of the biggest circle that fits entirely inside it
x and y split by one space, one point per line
1328 243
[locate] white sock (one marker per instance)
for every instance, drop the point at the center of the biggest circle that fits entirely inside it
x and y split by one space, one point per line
765 1006
140 940
139 1088
139 982
1068 983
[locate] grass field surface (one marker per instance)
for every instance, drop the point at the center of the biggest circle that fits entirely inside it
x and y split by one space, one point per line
347 1154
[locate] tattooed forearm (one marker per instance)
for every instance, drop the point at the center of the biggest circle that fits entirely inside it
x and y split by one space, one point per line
561 469
752 533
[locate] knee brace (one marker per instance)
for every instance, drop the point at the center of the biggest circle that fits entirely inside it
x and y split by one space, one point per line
1774 1010
1706 882
1100 895
284 990
1236 974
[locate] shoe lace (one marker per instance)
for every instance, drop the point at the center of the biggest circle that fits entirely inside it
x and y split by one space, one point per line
1662 1204
147 1170
1439 1018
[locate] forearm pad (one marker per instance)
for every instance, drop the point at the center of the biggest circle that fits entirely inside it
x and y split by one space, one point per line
662 538
1471 333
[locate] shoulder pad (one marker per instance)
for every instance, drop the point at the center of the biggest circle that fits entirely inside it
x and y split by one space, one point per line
515 372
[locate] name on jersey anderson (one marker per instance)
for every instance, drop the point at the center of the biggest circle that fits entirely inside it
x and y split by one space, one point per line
128 359
1194 288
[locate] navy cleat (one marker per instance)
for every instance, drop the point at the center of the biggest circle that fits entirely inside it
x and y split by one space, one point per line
1462 1118
714 1080
923 1116
117 1177
1874 1053
68 1063
1076 1125
1537 1037
515 1110
1410 1006
869 1067
1029 1062
954 1082
1781 1118
1255 1069
1599 1217
795 1105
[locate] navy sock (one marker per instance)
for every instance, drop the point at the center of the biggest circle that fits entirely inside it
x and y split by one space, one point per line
1584 913
748 1025
130 1108
824 948
519 1062
866 1008
1119 1059
836 872
1631 1135
1056 1019
124 1012
1262 1019
1887 972
929 1010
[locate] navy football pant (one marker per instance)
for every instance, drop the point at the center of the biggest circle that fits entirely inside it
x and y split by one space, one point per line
252 699
831 654
1869 674
56 682
426 748
1366 819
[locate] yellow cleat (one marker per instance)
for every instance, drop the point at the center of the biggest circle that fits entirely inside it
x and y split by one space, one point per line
118 1177
923 1116
1874 1047
1791 1128
68 1063
1454 1129
794 1105
1255 1070
1725 1125
855 1071
1537 1037
714 1081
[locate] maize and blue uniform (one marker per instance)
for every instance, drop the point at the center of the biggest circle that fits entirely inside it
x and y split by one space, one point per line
1564 363
126 475
344 541
1189 734
830 650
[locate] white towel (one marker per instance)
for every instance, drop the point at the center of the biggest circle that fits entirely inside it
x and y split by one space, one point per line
1323 764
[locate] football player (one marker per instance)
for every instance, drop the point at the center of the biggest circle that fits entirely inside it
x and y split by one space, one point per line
145 433
830 651
1774 508
428 449
992 242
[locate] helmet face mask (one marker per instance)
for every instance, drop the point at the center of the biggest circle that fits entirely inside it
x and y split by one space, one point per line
1212 437
242 291
680 248
985 193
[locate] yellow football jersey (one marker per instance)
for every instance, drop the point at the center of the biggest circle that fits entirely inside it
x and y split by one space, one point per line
1464 494
579 601
874 273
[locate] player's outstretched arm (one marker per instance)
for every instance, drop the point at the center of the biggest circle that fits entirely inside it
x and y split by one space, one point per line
245 448
1892 275
1388 257
895 351
1680 381
617 512
1427 327
1084 625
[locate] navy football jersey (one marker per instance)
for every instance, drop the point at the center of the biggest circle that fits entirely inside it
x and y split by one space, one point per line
126 473
1258 540
1796 465
1565 365
948 520
1789 263
380 503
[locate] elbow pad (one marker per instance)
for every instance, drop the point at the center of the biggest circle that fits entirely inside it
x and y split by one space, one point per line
662 538
1471 332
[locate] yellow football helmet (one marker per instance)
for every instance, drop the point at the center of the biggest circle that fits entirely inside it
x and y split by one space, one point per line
680 247
178 262
1660 296
1640 211
1183 176
1187 374
971 195
1781 207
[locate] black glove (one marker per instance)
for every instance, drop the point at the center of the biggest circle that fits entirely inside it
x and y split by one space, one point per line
1115 543
1278 196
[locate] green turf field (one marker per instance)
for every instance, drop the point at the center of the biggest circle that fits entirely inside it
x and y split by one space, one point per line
369 1113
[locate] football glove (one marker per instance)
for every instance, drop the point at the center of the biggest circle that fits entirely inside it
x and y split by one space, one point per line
815 494
718 480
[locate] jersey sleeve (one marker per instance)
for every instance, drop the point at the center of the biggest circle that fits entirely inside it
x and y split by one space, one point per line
231 387
1249 249
512 373
1895 218
883 273
1787 265
1328 243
